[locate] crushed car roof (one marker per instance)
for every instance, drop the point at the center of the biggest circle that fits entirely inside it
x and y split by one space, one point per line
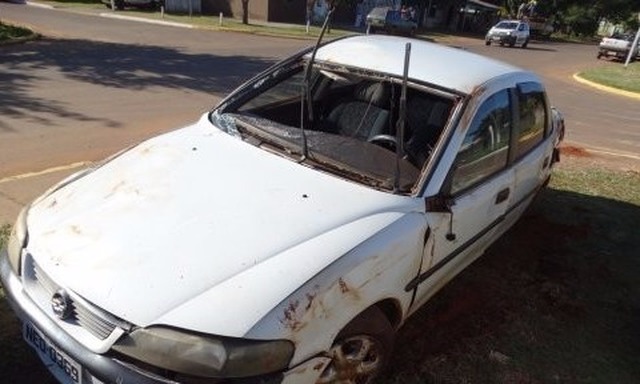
447 67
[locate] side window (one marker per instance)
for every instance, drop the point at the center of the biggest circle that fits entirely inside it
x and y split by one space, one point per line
485 149
532 117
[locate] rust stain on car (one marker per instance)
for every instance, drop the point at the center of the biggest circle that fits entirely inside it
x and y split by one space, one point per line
344 288
75 229
310 297
290 319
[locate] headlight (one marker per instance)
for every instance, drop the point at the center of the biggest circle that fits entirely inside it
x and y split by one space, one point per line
18 240
205 356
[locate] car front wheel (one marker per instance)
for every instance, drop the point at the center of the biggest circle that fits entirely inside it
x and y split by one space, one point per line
361 350
526 42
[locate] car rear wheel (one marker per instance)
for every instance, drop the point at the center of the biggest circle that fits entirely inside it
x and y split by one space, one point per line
361 350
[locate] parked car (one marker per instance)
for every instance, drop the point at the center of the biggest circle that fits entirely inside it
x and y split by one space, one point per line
618 46
390 21
510 32
286 235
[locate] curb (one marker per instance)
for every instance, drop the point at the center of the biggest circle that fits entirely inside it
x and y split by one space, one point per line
145 20
605 88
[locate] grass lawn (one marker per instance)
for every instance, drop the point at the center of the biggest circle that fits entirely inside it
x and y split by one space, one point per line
10 33
616 75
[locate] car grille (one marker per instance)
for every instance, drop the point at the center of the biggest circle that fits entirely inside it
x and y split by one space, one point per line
85 315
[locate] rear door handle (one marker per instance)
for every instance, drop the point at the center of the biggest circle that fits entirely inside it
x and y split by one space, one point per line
502 195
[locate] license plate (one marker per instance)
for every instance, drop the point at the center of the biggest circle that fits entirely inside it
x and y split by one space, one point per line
53 357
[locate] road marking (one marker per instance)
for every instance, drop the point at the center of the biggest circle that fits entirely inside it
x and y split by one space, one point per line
29 175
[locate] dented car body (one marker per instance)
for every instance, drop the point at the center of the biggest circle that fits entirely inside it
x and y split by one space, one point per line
289 233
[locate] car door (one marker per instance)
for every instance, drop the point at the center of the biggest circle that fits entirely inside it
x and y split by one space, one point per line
521 34
479 188
532 147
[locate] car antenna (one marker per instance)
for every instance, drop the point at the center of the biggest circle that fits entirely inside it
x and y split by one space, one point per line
306 89
402 116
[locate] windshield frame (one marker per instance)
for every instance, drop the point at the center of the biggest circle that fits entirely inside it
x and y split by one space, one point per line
290 148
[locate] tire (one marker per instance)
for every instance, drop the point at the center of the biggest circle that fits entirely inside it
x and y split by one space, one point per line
526 42
487 42
361 350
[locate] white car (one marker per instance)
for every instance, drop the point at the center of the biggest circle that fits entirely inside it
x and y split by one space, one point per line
286 235
618 46
509 32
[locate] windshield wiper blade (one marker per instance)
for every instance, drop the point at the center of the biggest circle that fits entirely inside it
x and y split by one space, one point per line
306 88
402 115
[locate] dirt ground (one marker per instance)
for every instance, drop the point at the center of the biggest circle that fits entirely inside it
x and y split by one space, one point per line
572 157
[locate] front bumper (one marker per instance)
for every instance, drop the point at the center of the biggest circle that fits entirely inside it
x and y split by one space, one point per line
616 52
504 39
102 368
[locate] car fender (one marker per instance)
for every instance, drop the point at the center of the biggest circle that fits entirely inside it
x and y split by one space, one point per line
376 270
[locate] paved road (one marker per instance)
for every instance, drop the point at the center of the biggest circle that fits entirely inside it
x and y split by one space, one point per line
96 85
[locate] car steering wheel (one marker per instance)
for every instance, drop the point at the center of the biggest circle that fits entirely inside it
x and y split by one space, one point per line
385 141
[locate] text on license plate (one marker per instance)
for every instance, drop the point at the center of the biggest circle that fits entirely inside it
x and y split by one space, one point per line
51 353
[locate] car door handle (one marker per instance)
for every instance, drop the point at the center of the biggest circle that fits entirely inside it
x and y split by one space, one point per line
502 195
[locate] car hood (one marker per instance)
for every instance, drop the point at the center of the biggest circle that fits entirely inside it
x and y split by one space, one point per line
501 30
200 230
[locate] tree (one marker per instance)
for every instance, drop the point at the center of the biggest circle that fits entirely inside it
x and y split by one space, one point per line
245 11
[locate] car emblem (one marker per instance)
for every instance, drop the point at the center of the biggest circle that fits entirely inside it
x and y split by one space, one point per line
61 304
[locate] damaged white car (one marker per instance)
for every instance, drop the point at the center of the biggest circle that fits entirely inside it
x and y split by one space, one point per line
285 236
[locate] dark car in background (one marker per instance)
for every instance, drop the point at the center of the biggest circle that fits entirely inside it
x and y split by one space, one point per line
391 21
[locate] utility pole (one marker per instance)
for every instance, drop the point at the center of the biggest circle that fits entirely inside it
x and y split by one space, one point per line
634 46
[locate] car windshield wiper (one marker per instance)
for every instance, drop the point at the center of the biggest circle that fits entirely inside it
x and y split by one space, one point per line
306 89
402 115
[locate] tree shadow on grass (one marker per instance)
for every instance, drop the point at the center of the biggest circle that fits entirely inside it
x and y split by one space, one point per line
116 66
554 300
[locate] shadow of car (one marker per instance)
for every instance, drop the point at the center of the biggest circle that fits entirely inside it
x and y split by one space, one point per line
391 21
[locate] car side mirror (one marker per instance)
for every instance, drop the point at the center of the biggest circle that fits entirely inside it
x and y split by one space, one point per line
439 203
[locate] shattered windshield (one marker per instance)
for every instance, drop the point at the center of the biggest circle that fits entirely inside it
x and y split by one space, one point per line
350 128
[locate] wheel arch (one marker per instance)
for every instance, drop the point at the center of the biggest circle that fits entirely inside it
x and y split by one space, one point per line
392 310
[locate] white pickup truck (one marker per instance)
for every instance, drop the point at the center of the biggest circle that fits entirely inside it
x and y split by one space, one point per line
618 46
